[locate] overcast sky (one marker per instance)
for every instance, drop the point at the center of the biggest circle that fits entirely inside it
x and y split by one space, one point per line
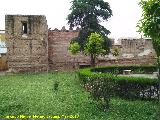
126 14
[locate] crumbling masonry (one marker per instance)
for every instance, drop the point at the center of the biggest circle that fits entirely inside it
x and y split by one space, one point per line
32 47
27 42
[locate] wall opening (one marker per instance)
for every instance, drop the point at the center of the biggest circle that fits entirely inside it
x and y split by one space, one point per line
24 27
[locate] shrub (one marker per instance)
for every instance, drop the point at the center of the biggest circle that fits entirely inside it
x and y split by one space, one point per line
136 87
99 85
102 83
135 69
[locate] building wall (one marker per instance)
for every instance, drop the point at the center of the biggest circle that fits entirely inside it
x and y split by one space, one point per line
131 51
36 48
135 46
59 56
27 51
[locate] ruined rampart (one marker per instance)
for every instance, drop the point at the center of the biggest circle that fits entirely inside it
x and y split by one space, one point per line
27 42
31 46
59 56
137 51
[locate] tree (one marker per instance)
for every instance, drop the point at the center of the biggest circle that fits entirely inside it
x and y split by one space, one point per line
74 48
150 25
150 22
88 14
115 51
94 47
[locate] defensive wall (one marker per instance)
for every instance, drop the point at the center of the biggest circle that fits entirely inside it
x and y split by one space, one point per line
31 46
27 43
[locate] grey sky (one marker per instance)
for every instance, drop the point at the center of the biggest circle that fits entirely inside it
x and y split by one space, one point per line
126 14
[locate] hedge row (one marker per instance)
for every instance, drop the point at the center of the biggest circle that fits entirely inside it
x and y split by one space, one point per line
134 69
88 73
128 87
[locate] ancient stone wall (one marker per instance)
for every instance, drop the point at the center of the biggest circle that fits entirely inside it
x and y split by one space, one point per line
134 47
27 42
59 56
131 51
31 46
127 61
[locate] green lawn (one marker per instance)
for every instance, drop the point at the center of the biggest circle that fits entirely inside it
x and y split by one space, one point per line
34 94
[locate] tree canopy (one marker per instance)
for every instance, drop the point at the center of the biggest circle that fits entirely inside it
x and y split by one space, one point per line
88 14
94 47
74 48
94 44
150 22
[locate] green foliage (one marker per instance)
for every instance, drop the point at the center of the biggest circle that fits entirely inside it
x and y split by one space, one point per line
149 69
33 94
150 22
56 84
124 86
88 14
134 111
134 69
139 71
99 86
94 45
101 91
96 72
115 51
74 48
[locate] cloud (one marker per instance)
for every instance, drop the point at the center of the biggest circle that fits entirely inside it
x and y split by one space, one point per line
126 14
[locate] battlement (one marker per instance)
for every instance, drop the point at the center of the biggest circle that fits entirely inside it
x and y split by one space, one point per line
64 30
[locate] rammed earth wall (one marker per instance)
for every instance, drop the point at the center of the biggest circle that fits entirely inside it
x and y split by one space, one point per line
59 57
27 42
32 47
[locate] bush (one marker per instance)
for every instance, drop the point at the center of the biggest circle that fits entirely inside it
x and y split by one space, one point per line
100 80
99 85
136 87
134 69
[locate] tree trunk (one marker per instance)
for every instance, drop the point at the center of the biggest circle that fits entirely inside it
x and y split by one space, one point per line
92 60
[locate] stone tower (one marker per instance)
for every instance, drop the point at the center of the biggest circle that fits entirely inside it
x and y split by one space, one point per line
27 43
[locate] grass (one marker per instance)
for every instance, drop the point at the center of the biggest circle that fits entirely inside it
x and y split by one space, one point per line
34 94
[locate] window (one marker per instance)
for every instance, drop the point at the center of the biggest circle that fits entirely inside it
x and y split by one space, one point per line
24 27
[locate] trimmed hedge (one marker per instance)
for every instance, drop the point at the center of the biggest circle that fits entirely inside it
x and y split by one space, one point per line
89 72
123 86
134 69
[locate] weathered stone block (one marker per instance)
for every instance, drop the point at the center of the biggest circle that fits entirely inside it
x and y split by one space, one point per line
27 37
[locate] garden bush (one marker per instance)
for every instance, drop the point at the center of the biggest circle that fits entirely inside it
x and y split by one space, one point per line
100 80
99 86
135 69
